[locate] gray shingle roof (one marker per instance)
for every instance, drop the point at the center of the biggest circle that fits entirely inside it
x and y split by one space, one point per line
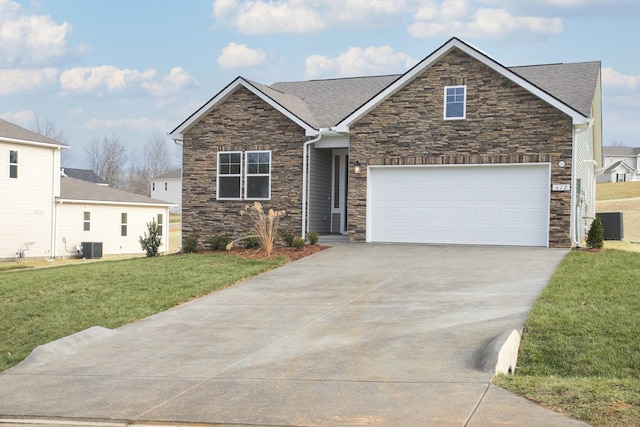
329 101
621 151
9 130
77 189
177 173
574 84
83 174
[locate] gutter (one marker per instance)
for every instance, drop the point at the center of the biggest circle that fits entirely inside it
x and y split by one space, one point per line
305 148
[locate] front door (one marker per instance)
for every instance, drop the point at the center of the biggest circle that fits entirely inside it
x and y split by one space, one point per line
339 191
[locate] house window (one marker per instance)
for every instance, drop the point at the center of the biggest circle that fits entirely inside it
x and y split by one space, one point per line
165 186
160 224
153 186
455 100
229 174
258 175
123 224
621 177
86 223
13 164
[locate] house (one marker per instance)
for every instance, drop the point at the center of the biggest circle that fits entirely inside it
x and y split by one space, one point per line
621 164
457 150
47 214
168 186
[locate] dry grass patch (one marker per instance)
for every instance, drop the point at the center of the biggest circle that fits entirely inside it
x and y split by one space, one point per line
617 190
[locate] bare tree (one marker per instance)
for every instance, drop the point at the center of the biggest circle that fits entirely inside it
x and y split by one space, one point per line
49 129
108 159
138 180
157 158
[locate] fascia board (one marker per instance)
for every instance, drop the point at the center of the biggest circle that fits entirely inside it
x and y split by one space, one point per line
34 143
62 201
577 118
178 132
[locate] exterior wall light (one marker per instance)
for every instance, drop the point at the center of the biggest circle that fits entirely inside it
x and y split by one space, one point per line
561 164
357 168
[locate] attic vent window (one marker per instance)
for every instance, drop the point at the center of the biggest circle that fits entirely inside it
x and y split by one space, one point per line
455 102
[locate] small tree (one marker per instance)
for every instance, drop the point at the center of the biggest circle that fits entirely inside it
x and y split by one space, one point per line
595 238
151 242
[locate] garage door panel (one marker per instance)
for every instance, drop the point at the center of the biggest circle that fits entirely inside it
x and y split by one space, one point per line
471 205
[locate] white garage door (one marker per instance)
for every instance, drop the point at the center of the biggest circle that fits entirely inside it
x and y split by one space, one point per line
487 205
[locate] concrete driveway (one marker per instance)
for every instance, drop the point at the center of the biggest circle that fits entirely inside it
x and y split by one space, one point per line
385 335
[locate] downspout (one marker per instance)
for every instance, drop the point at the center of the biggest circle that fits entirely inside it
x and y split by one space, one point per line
54 208
305 147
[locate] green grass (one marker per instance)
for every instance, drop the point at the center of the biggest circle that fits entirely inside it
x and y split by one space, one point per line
42 305
580 352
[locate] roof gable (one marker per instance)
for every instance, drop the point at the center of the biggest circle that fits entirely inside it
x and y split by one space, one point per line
454 43
615 166
282 102
20 135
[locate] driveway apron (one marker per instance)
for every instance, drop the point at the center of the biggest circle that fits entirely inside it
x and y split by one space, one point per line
358 334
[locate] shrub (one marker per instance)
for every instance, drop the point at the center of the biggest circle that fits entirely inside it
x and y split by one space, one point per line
219 242
252 243
313 237
595 238
190 244
265 224
151 242
287 237
298 243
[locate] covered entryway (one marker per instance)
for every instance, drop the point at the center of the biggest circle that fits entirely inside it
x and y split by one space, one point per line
484 205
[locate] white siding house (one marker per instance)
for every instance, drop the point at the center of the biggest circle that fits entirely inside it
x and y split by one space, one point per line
168 187
621 164
92 213
45 214
29 185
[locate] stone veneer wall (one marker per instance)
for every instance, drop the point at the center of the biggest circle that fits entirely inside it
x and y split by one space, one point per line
504 124
243 122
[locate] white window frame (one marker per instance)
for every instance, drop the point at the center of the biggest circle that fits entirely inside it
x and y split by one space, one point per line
160 224
464 102
14 164
248 175
86 221
218 175
124 224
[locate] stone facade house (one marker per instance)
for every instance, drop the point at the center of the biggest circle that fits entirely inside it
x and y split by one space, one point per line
458 150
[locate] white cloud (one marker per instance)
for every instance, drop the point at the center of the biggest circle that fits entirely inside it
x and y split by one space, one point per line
457 17
177 80
264 17
240 55
89 79
357 62
613 78
26 80
20 118
31 40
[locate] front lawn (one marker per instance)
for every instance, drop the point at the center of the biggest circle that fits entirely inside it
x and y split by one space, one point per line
41 305
580 352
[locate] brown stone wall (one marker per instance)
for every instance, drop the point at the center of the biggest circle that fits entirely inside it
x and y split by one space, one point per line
504 124
243 122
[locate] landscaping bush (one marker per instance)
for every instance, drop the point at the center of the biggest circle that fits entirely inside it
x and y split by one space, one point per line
265 225
298 243
313 237
152 241
219 242
287 237
595 238
251 242
190 244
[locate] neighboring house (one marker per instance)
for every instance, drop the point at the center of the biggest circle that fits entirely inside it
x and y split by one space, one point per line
46 214
168 187
458 150
621 164
29 186
83 174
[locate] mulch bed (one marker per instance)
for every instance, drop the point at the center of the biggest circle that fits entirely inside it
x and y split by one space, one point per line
292 253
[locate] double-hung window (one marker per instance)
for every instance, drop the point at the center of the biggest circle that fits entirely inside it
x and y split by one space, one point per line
229 175
258 175
455 102
13 164
123 224
245 176
86 221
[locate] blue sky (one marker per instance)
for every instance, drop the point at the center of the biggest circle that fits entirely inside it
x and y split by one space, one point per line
135 68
